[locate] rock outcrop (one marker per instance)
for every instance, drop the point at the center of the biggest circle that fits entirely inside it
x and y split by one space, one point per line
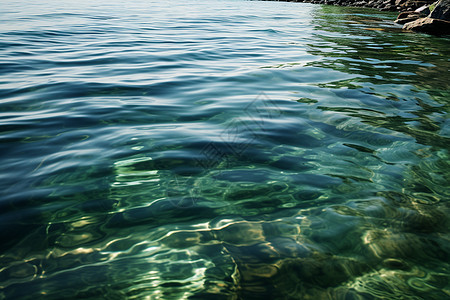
409 16
429 25
437 22
441 11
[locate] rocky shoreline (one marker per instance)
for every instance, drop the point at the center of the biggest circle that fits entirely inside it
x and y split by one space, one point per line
432 19
383 5
427 16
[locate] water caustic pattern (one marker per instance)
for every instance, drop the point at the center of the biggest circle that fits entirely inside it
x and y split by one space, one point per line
221 150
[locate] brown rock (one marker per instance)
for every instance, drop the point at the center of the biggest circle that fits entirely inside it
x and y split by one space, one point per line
406 20
429 25
407 16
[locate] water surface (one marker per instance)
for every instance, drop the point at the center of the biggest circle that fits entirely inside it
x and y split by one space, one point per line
221 150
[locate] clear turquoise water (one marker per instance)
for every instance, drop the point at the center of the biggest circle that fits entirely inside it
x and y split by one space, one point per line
221 150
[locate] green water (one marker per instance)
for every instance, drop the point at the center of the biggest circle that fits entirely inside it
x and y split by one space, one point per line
221 150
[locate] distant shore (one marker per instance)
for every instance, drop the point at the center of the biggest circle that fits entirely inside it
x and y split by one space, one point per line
426 16
383 5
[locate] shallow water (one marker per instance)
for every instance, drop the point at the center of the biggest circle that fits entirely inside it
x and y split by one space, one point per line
221 150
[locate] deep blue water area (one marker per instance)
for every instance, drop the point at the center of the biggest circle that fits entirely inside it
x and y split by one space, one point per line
208 149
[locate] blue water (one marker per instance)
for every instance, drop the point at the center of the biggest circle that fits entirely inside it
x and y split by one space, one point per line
221 150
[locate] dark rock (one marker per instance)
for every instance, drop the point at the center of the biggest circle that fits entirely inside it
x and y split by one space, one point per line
423 11
441 11
429 25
